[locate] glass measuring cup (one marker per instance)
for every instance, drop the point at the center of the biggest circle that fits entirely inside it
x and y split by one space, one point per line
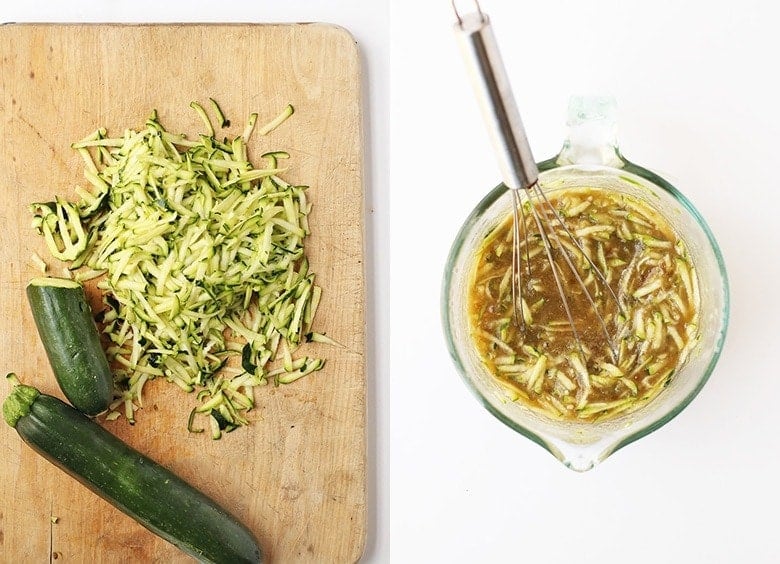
590 158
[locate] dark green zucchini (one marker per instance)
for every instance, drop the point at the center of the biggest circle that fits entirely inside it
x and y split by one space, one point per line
72 342
152 495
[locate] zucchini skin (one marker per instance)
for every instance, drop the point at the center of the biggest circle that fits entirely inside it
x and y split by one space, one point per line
72 342
146 491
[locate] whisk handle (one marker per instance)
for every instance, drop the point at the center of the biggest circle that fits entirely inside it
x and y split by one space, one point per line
491 84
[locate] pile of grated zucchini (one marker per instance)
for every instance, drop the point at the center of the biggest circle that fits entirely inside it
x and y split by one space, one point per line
201 258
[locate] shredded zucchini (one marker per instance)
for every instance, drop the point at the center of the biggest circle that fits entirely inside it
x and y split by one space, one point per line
39 263
201 258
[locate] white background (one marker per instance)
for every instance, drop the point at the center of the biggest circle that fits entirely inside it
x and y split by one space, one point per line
698 93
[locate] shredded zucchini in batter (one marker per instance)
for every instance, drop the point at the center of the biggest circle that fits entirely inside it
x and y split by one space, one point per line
652 331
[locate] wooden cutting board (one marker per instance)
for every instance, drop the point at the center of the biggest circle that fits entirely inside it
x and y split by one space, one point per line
296 476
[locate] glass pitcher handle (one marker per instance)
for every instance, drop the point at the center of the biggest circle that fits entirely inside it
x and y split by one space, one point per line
592 138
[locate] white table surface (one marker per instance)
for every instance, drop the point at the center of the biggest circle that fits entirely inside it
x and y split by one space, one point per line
698 95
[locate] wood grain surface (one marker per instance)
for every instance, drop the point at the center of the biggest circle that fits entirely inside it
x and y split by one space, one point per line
296 476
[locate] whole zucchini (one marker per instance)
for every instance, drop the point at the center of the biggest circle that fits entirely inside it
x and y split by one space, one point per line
152 495
72 342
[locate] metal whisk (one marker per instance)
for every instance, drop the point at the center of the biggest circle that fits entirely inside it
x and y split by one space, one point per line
519 171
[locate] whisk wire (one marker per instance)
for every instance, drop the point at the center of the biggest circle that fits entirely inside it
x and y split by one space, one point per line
517 274
458 15
575 272
527 245
594 268
554 268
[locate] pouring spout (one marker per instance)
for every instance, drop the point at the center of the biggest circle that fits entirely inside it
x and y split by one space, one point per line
584 456
580 463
